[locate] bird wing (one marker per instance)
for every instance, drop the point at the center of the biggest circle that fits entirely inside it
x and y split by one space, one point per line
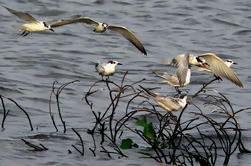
129 35
169 79
52 21
164 75
86 20
100 68
148 93
182 63
168 103
22 15
219 68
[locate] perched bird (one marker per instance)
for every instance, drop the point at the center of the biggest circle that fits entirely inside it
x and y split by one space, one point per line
102 27
211 62
182 76
168 103
106 69
32 26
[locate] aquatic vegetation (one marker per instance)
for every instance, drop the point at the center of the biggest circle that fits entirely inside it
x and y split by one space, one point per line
128 121
168 139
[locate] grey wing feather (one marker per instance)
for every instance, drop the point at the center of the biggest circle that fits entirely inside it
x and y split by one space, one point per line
177 60
148 93
169 79
22 15
52 21
162 75
86 20
183 68
169 104
129 35
99 68
180 60
219 68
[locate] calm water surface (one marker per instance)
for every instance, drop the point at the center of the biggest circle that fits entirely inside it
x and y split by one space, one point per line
30 64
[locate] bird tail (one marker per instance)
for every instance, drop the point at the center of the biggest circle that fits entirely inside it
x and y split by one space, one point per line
19 27
157 73
147 92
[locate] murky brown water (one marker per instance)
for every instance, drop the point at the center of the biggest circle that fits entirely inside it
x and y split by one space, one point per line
30 64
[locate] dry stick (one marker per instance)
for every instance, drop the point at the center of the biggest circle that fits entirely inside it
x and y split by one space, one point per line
200 158
94 144
122 122
178 124
35 147
105 151
90 93
116 147
178 121
122 89
57 99
51 115
81 140
27 115
203 87
114 106
235 123
213 145
225 146
4 111
204 146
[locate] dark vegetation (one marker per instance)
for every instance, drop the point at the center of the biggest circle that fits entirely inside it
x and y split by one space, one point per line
167 138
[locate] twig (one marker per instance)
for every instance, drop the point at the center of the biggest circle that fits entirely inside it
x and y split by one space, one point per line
81 141
4 112
27 115
57 99
35 147
51 115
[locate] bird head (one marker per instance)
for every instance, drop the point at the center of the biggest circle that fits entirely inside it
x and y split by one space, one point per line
193 60
48 26
115 63
229 62
105 25
183 97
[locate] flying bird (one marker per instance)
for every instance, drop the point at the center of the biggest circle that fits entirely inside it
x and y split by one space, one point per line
102 27
106 69
168 103
212 63
228 62
32 26
182 76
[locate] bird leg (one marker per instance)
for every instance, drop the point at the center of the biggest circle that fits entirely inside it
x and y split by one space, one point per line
177 90
22 34
27 33
217 77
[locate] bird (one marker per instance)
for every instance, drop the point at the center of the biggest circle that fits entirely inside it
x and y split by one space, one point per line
168 103
106 69
212 63
102 27
228 62
182 76
33 25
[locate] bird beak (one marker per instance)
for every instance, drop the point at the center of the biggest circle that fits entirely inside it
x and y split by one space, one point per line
235 63
51 29
119 63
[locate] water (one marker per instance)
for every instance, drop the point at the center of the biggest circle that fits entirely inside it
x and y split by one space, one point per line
30 64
